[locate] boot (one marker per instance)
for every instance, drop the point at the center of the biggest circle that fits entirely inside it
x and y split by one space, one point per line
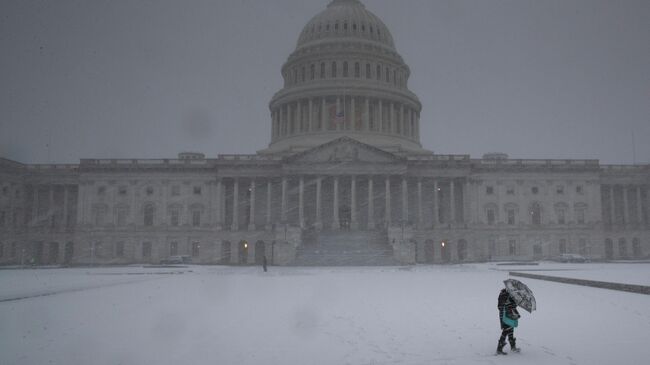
500 348
513 345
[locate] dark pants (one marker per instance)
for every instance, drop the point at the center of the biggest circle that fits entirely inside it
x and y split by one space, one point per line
506 331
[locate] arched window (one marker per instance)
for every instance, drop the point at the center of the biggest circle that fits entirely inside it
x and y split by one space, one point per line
368 71
322 70
378 73
302 74
336 26
295 76
148 214
387 74
334 69
312 71
357 70
395 77
345 26
345 69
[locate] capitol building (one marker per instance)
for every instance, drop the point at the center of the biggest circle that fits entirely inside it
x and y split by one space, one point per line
343 181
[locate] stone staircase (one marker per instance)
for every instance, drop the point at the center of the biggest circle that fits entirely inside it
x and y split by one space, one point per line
345 248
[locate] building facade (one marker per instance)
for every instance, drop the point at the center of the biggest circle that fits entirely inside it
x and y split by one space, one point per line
344 180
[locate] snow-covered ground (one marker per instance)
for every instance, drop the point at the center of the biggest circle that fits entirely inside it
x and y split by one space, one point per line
377 315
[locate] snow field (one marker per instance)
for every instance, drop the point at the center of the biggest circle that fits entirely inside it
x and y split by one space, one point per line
222 315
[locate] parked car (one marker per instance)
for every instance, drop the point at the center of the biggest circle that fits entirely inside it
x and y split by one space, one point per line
176 260
571 257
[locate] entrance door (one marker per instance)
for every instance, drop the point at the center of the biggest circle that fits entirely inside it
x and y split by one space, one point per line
609 249
345 216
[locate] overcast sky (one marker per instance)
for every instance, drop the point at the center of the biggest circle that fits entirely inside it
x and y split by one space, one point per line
148 79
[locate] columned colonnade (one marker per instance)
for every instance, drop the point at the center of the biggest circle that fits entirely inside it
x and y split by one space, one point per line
354 113
336 202
626 204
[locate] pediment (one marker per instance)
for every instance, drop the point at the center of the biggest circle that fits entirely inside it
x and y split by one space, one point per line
344 149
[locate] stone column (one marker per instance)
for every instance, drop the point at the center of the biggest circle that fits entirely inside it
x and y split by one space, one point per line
405 200
420 203
626 213
268 204
284 120
134 203
366 115
35 204
235 205
219 203
353 203
639 212
310 117
339 125
436 218
322 114
65 206
336 223
387 216
371 205
401 119
380 116
299 116
391 120
251 217
319 221
50 203
452 203
612 214
283 213
301 203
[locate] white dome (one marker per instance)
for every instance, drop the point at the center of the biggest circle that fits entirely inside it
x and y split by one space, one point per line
345 19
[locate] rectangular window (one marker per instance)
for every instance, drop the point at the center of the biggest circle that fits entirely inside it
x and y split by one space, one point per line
534 190
121 216
146 249
512 247
119 249
489 190
562 246
580 216
196 218
197 190
559 189
511 216
582 246
176 190
580 190
3 218
492 248
174 217
537 250
510 190
173 248
490 216
561 219
101 190
14 249
121 190
195 249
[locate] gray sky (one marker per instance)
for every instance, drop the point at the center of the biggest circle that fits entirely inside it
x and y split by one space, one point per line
148 79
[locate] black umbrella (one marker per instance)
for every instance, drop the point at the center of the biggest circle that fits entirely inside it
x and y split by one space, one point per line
522 295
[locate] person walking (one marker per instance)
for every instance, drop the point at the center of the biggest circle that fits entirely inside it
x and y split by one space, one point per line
264 262
508 317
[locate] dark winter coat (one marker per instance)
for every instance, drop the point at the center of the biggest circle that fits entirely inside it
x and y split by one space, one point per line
506 302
